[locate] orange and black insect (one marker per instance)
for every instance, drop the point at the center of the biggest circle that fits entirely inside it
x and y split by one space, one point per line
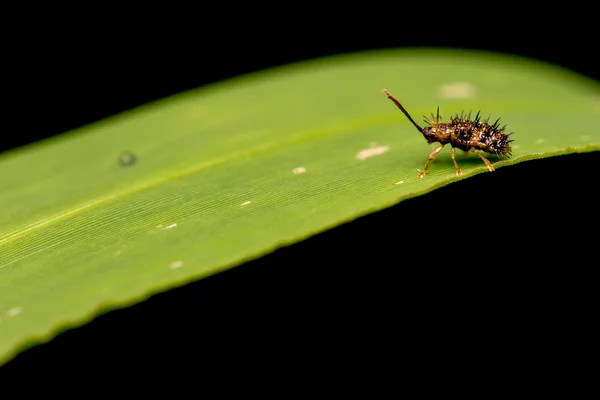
462 133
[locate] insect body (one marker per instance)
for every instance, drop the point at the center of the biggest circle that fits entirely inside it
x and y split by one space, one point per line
462 133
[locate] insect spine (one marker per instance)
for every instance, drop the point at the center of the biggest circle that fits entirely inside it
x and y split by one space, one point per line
463 133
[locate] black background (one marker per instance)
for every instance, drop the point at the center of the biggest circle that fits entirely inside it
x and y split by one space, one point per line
500 285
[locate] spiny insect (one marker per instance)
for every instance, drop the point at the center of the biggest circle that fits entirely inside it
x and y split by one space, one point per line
463 133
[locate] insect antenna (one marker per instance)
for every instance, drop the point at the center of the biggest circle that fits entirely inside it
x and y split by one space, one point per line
397 103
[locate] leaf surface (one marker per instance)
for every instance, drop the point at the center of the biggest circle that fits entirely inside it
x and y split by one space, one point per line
231 171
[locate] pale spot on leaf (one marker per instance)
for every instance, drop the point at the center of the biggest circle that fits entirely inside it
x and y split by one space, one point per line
14 311
246 203
373 151
456 90
299 170
161 226
176 264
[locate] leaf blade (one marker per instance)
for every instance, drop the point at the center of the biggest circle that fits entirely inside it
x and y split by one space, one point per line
215 181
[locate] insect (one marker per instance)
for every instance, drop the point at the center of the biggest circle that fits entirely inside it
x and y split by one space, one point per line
463 133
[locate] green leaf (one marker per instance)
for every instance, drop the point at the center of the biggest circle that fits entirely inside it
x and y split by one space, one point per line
231 171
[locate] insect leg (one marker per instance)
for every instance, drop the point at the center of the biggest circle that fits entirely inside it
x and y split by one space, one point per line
458 170
430 158
489 165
